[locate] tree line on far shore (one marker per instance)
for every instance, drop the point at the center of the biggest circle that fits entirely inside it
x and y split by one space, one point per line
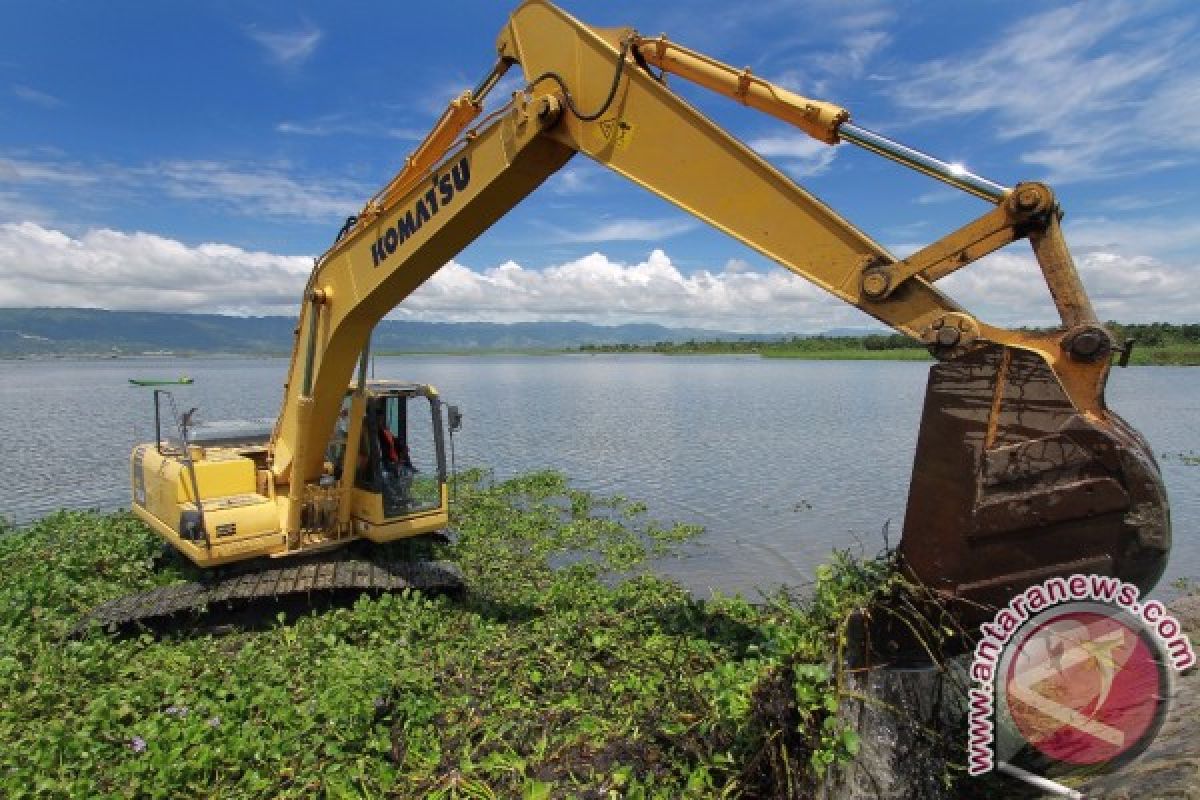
1156 342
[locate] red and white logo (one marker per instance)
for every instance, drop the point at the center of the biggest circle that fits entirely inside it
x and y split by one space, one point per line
1073 674
1087 686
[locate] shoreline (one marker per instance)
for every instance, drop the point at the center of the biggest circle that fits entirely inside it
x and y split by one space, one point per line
1145 357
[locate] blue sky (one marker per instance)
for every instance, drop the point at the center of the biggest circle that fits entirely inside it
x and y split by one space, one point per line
197 156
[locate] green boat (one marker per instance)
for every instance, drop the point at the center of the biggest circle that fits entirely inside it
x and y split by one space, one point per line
155 382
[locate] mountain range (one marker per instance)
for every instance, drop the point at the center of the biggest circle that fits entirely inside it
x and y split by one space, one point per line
64 331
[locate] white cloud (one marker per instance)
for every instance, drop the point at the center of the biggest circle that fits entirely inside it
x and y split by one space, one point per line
1134 271
907 232
289 48
110 269
867 18
1174 110
1090 81
339 124
417 117
937 196
1141 202
35 97
254 190
822 72
264 190
139 271
42 266
578 178
14 206
14 170
627 230
597 289
838 42
569 181
796 26
857 50
1007 288
324 126
1157 236
801 155
434 100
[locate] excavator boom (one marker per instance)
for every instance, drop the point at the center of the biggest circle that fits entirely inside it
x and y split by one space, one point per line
1021 472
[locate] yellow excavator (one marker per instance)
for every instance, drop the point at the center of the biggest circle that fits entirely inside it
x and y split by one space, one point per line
1020 472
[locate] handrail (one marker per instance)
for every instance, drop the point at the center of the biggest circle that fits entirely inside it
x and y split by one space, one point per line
186 455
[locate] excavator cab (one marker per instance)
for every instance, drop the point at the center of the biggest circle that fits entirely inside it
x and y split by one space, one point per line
390 485
399 469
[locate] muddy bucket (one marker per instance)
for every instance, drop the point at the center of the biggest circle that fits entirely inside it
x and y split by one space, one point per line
1012 484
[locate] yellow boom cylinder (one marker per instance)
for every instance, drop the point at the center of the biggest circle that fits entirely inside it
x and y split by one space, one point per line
461 112
817 118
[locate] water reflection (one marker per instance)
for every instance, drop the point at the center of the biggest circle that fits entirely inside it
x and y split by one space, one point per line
779 460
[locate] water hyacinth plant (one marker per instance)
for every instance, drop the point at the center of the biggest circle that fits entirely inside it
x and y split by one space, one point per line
569 669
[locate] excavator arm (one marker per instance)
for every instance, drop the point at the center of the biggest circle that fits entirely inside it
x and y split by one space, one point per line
1020 473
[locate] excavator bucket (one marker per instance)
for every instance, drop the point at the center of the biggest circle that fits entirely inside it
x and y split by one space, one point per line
1012 485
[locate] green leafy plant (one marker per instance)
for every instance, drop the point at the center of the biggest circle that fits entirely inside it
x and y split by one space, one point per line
569 669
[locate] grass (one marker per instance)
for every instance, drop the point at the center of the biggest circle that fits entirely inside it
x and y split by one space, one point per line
514 351
594 679
849 354
1177 355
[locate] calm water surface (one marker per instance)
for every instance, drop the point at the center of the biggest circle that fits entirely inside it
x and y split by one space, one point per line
779 460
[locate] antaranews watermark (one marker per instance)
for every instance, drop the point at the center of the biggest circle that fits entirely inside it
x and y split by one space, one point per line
1078 669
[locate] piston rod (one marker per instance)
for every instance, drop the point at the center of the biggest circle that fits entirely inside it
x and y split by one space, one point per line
954 174
490 80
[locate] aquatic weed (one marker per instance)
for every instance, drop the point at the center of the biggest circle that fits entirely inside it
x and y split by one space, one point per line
569 669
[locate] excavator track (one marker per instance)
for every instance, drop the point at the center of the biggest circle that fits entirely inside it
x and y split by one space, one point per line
334 574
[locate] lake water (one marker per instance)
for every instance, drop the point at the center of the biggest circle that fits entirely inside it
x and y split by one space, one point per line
779 460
